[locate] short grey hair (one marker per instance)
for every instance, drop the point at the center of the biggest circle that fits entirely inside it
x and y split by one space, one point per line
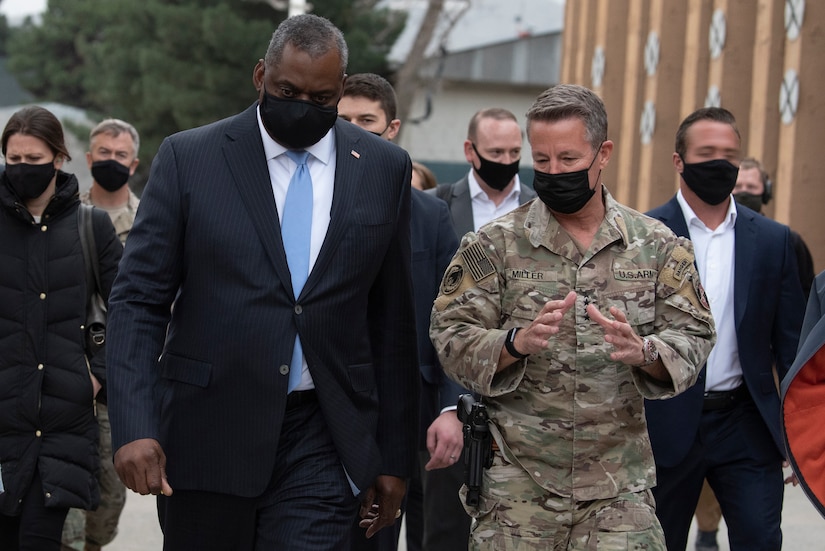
309 33
565 101
114 127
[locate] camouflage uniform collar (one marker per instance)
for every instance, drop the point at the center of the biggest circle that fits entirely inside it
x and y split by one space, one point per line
545 231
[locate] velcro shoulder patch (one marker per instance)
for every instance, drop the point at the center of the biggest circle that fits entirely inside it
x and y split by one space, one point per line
477 262
679 267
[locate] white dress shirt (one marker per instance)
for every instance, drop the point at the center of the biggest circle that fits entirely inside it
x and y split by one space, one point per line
321 164
715 255
484 209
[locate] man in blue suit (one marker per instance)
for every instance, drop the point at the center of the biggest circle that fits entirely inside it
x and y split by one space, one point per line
726 427
262 407
369 102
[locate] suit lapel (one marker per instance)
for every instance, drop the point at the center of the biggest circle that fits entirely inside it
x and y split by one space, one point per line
348 173
744 247
244 153
461 206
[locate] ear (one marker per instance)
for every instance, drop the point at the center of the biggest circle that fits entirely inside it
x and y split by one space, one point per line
58 162
678 163
89 160
468 152
605 152
133 167
258 77
393 128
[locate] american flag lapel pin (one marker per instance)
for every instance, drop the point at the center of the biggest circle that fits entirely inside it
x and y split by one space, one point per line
355 154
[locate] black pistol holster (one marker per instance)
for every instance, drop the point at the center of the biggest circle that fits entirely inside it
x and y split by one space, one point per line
478 445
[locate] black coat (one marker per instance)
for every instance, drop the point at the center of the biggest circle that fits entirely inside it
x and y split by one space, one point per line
47 417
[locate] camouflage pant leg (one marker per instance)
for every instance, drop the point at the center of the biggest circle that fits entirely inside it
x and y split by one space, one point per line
74 530
98 527
516 514
101 524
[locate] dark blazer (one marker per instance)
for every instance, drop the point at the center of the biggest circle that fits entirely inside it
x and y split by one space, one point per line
768 308
457 196
434 243
212 388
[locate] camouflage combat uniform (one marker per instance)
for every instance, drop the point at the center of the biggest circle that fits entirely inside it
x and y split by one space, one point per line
99 527
575 463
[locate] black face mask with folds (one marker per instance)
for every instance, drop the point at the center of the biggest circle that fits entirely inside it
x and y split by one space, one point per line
29 181
565 192
753 202
110 174
711 181
294 123
496 175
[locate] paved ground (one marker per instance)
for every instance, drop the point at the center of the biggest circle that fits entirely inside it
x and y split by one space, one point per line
803 527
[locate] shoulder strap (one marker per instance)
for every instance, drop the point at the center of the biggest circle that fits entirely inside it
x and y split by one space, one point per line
86 232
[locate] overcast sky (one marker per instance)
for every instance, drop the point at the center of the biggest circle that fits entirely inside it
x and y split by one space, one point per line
16 10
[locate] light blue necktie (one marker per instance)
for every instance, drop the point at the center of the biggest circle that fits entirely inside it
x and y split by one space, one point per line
296 230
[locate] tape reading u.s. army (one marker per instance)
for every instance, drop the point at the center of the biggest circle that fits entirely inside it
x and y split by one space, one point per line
477 262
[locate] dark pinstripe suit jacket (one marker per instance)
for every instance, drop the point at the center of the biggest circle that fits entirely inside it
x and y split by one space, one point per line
212 389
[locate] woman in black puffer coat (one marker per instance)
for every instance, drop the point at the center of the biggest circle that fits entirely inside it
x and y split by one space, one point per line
48 386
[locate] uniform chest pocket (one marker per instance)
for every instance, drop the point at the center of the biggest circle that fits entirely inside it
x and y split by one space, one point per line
638 302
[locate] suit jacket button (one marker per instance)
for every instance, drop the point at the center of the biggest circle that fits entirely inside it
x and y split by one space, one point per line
299 309
284 369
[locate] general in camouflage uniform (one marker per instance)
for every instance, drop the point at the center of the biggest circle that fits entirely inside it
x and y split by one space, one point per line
574 464
111 141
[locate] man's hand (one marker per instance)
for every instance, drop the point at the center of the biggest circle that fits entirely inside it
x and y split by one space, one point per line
141 466
627 345
445 441
381 502
96 386
534 338
792 478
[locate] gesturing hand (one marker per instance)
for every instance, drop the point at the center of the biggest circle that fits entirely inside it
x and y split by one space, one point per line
627 345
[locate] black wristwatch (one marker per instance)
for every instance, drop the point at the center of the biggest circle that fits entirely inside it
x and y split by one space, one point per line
511 349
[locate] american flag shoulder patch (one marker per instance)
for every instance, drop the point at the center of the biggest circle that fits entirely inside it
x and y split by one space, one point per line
477 262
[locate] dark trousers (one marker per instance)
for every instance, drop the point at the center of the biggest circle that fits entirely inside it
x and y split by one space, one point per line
735 452
446 523
308 506
37 528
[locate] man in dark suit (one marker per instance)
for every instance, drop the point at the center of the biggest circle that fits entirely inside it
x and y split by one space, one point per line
268 409
369 102
726 427
491 188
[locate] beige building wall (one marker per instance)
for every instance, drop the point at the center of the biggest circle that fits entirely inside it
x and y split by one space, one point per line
662 59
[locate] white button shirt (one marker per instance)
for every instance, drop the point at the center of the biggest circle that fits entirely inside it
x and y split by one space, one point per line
484 209
715 256
321 164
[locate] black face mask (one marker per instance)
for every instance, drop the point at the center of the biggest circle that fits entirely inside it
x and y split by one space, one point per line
29 181
496 175
566 192
110 174
711 181
294 123
379 134
753 202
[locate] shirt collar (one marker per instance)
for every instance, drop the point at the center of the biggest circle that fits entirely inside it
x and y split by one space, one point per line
692 219
322 150
476 191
